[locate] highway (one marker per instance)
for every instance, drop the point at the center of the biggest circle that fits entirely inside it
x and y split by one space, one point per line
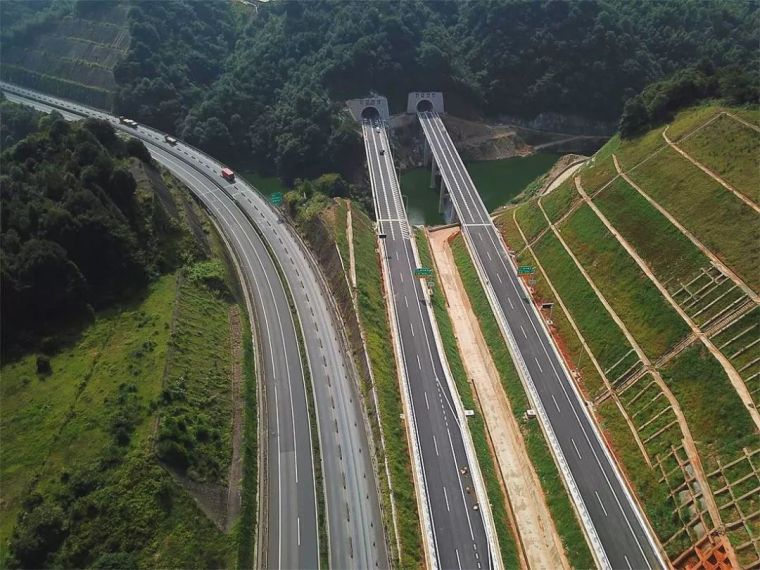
451 510
355 533
618 531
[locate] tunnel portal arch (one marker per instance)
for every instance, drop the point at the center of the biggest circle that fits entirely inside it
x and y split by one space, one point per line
371 113
424 105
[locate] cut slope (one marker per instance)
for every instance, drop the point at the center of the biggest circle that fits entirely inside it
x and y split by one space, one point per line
678 261
71 56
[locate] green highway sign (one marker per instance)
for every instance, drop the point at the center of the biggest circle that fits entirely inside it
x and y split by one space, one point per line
525 269
423 272
276 198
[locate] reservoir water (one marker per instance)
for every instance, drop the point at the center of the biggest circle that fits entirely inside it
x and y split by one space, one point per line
497 181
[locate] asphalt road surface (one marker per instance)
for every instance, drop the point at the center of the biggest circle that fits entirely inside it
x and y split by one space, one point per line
354 523
624 537
459 536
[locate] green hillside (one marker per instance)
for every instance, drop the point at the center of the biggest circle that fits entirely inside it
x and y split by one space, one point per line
122 356
66 50
652 254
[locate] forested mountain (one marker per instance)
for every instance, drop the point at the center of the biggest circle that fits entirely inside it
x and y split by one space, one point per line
266 86
76 234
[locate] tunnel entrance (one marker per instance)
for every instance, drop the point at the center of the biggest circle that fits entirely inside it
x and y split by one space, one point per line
424 105
370 114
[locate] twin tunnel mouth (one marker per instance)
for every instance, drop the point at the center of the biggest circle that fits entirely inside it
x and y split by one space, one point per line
372 113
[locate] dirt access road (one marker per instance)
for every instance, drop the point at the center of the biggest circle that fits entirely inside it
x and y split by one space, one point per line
538 537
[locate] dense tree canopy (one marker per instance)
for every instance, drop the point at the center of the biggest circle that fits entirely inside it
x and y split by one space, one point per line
74 236
264 86
659 102
268 88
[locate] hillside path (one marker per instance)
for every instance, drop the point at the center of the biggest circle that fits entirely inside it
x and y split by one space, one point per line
540 542
350 239
689 446
709 172
742 121
713 258
728 368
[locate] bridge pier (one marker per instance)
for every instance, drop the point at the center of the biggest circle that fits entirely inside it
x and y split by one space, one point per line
442 195
434 172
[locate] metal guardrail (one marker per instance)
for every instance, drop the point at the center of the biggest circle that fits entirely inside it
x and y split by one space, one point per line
406 395
469 446
527 381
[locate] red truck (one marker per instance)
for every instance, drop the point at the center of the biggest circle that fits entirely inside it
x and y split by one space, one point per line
228 175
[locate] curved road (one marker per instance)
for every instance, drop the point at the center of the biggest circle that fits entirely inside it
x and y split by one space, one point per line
356 537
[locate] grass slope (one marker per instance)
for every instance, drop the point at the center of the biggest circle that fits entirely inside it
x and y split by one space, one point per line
604 337
74 461
706 209
730 149
669 253
647 315
374 321
720 425
70 53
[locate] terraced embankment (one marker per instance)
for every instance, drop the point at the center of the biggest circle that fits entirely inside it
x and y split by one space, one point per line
70 53
650 256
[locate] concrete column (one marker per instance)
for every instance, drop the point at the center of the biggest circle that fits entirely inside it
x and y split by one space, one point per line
444 193
433 172
426 154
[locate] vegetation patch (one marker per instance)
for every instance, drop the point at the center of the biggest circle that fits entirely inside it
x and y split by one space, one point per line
595 176
736 342
690 119
67 49
557 499
531 219
669 253
559 201
90 452
506 224
376 326
720 424
729 149
635 150
195 404
705 208
639 304
604 337
476 424
659 506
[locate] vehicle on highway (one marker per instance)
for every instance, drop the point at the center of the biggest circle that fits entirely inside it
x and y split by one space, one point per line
170 140
228 175
128 122
382 151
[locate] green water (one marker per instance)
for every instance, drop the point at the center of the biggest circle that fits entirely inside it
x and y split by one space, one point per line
497 182
264 184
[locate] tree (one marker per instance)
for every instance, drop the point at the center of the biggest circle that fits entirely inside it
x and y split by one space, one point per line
136 148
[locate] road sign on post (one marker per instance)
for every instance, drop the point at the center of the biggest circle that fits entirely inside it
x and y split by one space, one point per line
526 270
423 272
276 198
